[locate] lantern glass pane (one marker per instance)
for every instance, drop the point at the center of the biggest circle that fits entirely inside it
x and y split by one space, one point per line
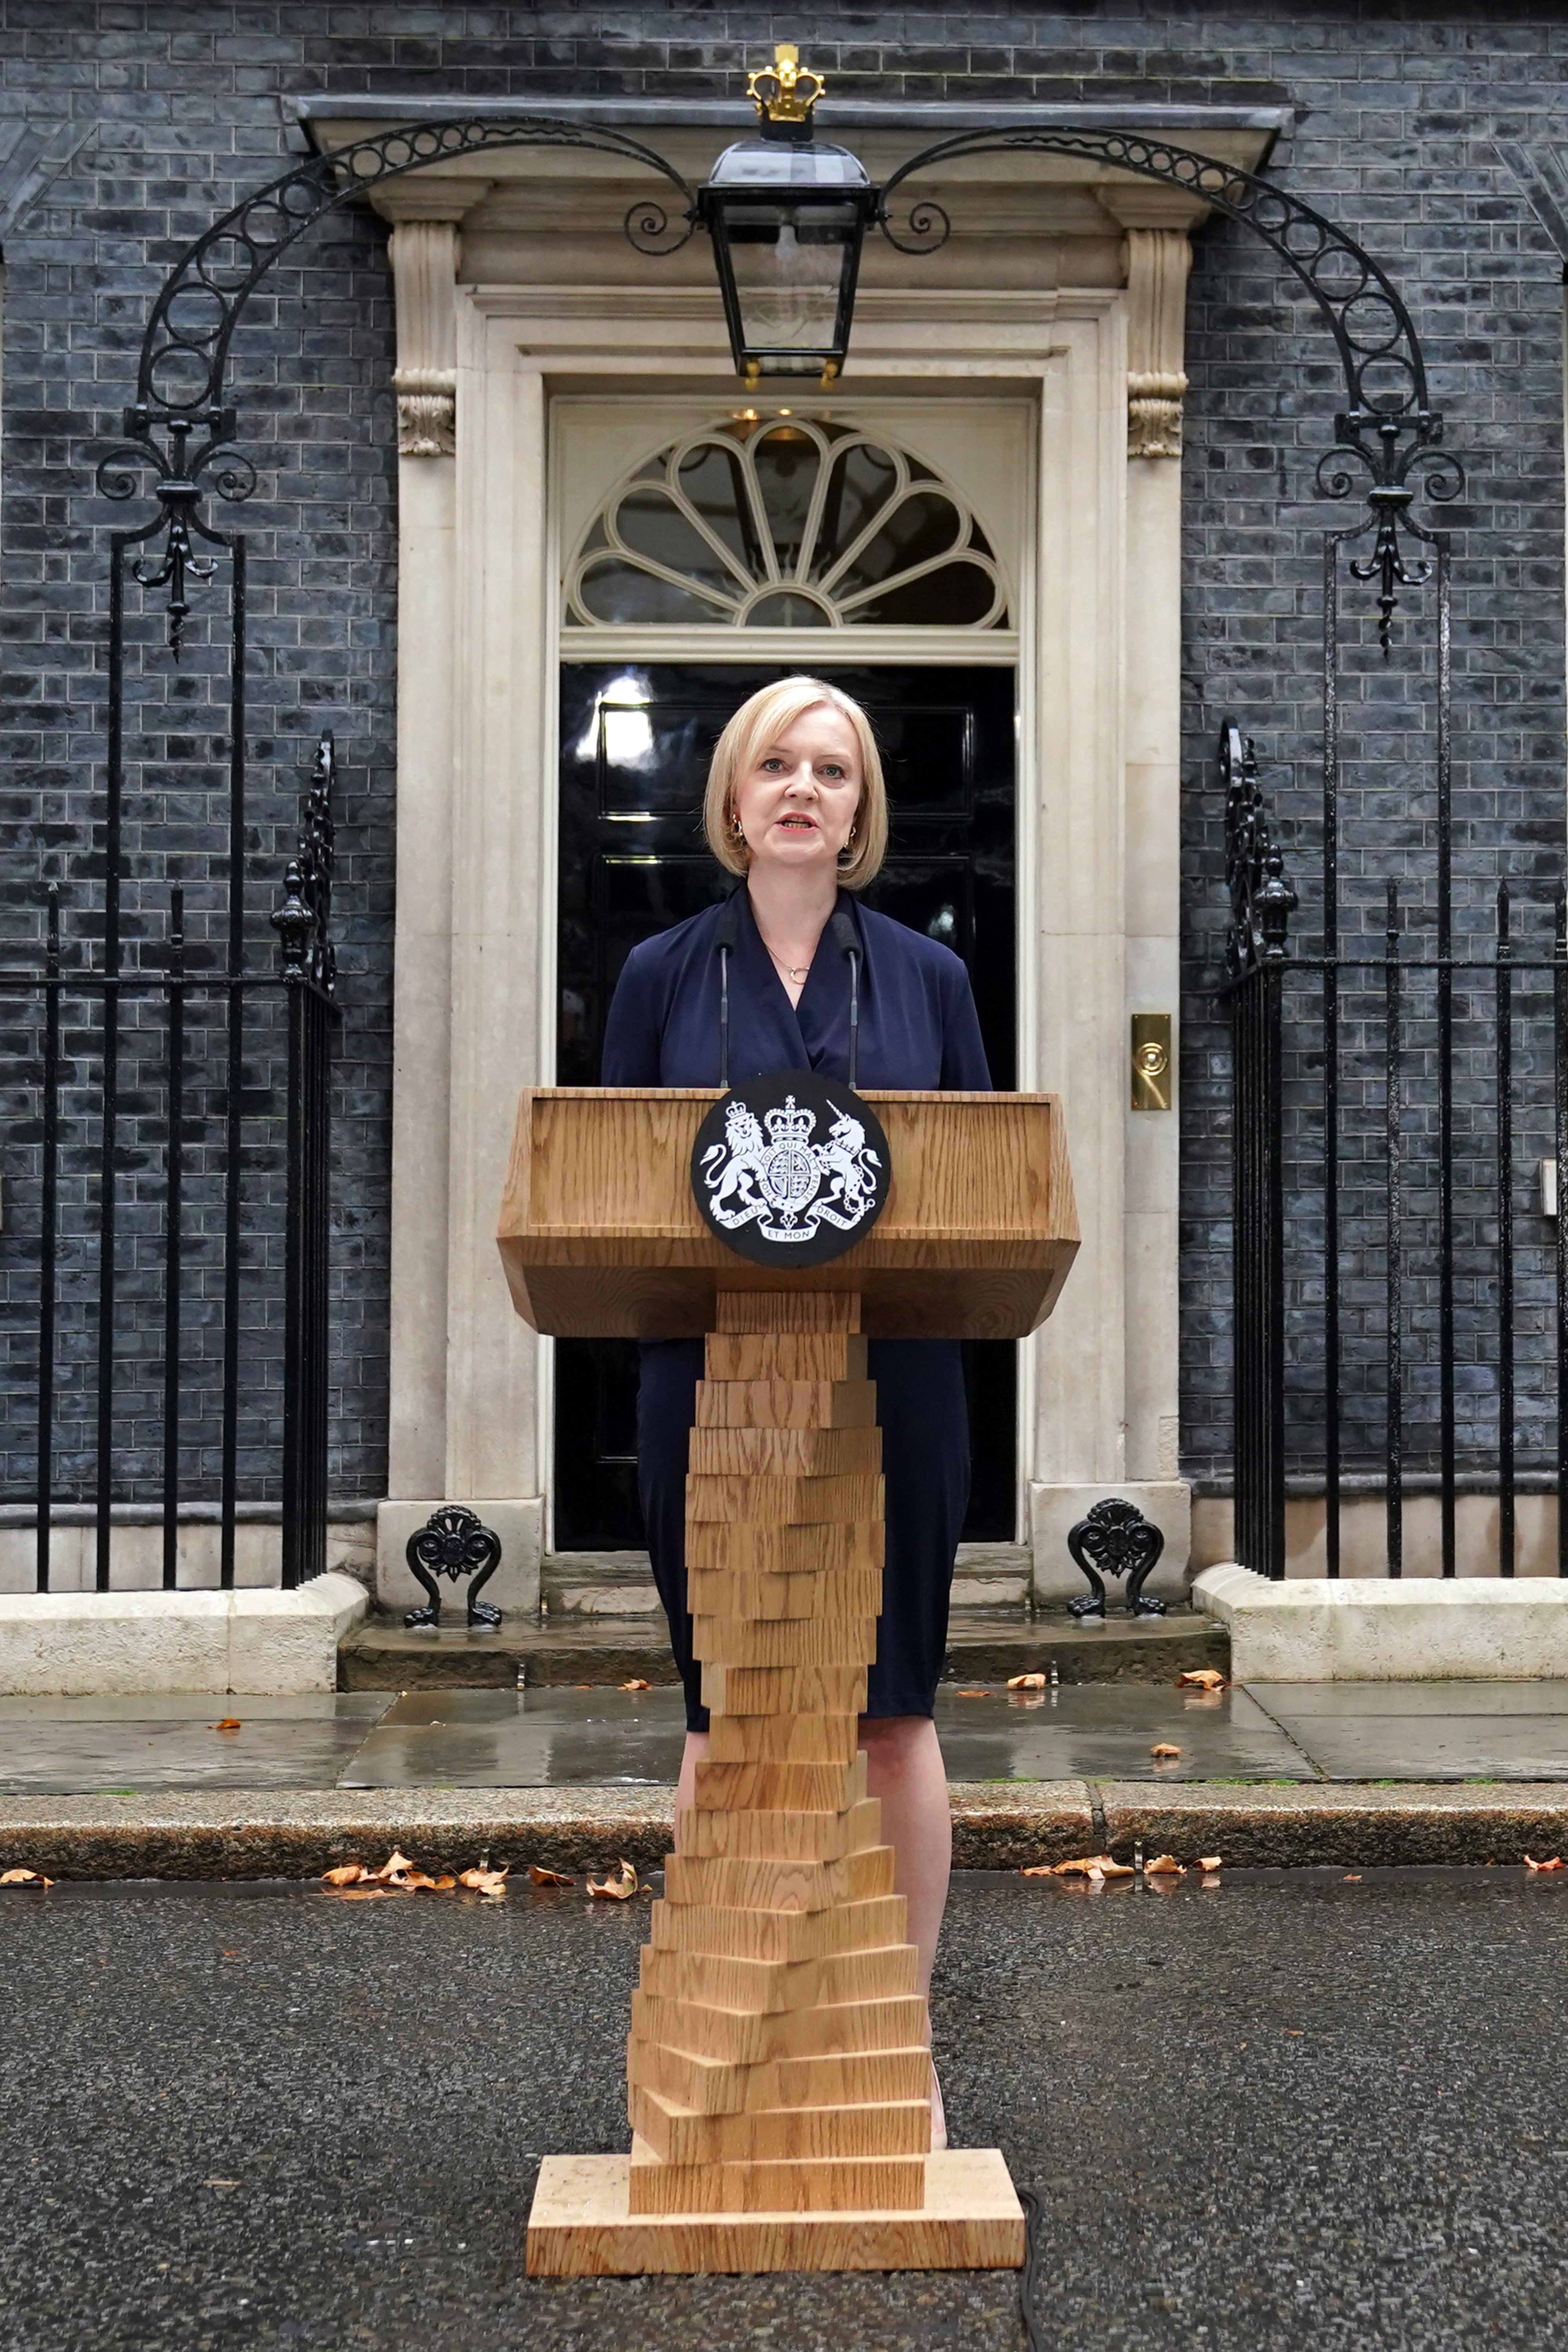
789 261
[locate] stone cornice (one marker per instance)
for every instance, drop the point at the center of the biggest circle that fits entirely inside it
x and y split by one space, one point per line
314 118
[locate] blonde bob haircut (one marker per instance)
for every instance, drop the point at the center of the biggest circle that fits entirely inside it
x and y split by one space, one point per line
761 720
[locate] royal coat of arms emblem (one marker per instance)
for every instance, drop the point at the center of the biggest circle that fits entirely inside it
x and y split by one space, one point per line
790 1170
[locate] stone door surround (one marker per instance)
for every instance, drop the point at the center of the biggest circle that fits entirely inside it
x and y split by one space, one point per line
1062 288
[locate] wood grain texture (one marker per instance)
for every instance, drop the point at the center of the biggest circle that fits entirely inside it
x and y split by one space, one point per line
872 2128
776 1787
784 1690
770 1987
800 2185
799 1306
784 1405
774 1453
743 2037
765 1883
783 1738
969 2218
601 1236
733 1593
709 2085
779 1935
806 1837
779 2052
816 1551
799 1502
791 1357
785 1642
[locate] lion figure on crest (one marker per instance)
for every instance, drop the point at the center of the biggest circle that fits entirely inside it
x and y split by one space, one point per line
732 1169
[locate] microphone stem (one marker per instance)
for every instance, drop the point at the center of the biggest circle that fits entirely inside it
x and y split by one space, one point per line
724 1020
854 1018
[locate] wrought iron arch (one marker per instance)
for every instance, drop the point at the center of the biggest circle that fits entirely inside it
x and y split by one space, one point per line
1386 427
180 391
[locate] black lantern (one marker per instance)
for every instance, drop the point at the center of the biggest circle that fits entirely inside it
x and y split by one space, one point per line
787 218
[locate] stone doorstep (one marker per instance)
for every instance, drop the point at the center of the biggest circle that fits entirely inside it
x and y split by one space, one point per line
381 1653
272 1835
1378 1628
618 1583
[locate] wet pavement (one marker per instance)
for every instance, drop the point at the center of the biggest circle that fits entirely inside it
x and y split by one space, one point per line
1299 2111
606 1737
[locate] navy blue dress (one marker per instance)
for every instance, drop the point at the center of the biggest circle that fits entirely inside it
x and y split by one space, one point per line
918 1029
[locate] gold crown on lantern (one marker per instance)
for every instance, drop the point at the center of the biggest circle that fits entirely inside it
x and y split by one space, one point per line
786 91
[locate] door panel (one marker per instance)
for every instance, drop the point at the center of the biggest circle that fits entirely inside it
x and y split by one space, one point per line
636 743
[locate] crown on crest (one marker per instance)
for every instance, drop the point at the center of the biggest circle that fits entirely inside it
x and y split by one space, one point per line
789 1124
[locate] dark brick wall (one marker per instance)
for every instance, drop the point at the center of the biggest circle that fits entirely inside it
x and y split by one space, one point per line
1398 108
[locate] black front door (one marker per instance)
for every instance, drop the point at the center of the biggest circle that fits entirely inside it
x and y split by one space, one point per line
636 743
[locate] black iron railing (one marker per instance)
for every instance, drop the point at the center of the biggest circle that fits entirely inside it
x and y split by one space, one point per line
151 1207
1401 1138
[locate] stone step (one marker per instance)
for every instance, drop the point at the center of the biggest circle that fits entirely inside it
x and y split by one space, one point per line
585 1584
983 1646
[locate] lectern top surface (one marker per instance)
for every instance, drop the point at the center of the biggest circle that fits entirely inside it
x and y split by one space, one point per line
602 1237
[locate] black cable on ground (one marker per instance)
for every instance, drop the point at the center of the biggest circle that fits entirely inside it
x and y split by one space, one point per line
1030 2279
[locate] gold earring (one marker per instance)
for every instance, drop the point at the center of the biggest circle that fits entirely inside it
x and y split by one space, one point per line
737 830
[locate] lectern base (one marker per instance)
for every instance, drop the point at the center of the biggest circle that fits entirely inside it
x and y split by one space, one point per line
581 2227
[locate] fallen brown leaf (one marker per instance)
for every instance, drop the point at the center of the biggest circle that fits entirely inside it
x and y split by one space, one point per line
1163 1748
368 1893
393 1867
619 1889
413 1881
488 1883
974 1694
1555 1864
637 1683
347 1874
1039 1870
229 1723
542 1877
443 1882
1353 1878
1208 1862
1164 1862
1094 1865
1204 1677
23 1878
1025 1682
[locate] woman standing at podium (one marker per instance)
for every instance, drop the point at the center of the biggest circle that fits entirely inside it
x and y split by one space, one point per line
798 808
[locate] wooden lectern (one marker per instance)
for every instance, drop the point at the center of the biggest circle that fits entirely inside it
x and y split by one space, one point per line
778 2067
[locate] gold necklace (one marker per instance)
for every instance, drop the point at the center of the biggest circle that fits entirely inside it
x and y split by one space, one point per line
795 972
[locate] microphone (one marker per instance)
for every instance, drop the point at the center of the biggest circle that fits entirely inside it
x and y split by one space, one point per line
726 930
846 940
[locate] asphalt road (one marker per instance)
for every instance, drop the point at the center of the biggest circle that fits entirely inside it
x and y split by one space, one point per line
1297 2112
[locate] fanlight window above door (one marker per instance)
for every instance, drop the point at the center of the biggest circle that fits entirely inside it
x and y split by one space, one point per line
797 523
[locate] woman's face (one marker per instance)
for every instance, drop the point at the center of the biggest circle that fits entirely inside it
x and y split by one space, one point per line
799 800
